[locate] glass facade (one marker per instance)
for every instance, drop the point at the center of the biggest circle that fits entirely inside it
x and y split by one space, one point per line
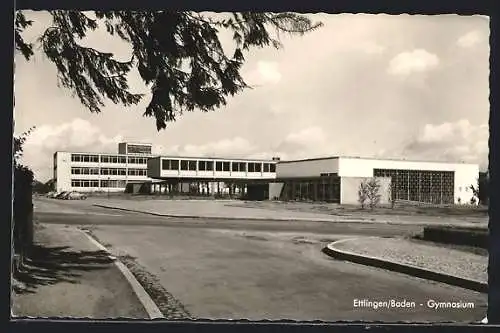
325 188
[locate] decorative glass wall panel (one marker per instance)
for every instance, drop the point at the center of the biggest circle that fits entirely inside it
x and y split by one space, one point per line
422 186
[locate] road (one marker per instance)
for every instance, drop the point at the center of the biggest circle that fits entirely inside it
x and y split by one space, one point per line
263 269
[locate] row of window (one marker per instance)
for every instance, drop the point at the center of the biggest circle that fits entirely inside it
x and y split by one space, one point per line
96 183
109 171
219 166
108 159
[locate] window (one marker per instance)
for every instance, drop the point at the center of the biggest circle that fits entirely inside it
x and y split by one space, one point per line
258 167
184 165
76 158
205 165
266 167
235 167
174 164
243 167
137 172
113 171
84 171
84 183
105 159
251 167
165 164
218 166
137 160
272 167
192 165
122 159
113 183
226 166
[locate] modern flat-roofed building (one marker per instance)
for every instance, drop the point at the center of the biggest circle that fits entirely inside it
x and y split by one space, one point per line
337 179
94 172
215 175
134 164
331 179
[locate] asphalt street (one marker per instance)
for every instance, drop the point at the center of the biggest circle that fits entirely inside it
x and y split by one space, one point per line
234 269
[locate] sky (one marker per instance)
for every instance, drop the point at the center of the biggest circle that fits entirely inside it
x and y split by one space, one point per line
404 86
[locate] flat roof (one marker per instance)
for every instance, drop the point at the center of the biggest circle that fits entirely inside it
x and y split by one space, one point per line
371 158
216 158
114 154
171 157
136 143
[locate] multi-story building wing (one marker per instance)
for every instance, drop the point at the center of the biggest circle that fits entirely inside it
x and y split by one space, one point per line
93 172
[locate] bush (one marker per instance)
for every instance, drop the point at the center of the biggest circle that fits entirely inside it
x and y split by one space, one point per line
369 191
362 194
373 192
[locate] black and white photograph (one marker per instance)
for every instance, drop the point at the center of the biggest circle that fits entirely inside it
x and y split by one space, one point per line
181 165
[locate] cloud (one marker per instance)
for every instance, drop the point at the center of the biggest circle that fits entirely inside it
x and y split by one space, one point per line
450 141
77 135
233 147
371 48
418 60
266 72
308 142
470 39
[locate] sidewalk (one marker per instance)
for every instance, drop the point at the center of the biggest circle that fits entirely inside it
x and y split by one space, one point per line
447 261
68 276
236 210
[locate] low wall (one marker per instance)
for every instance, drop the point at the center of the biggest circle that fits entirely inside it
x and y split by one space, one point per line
475 237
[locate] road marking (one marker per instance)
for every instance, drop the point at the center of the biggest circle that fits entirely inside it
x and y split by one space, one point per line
146 300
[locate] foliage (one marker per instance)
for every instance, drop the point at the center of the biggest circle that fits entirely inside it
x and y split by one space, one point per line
178 55
362 194
42 188
480 190
373 192
18 145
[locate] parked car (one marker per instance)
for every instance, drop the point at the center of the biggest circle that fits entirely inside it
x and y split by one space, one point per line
75 196
61 195
51 194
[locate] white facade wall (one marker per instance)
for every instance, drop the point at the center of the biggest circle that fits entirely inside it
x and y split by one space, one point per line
307 168
349 187
465 174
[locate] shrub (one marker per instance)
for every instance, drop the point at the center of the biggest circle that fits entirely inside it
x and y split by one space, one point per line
362 194
373 192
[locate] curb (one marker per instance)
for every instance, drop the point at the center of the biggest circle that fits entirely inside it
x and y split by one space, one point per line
146 301
403 268
295 219
235 218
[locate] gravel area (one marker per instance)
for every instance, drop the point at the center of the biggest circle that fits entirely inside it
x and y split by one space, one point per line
442 259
